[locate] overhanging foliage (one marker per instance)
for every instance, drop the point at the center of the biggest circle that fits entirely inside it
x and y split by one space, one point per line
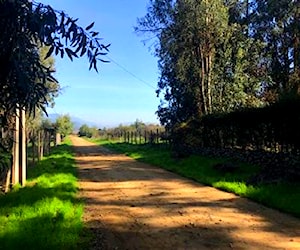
24 25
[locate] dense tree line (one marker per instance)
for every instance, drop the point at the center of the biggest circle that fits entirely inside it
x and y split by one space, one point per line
217 56
137 128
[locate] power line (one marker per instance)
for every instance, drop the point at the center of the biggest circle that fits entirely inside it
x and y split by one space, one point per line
130 73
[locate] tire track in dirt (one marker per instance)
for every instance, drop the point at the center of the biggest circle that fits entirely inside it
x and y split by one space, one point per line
131 205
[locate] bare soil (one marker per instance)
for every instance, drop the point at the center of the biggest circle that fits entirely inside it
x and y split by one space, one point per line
131 205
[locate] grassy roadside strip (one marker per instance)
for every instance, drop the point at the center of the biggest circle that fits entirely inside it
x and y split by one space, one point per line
46 213
284 196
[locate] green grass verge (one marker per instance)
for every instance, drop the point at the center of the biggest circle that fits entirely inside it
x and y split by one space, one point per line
283 196
46 213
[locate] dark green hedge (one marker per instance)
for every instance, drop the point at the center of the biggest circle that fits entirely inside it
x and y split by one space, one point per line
273 128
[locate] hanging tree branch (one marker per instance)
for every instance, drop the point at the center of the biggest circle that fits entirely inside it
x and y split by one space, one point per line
24 25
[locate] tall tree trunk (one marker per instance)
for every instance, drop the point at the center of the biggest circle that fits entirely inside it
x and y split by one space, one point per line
208 56
16 150
40 145
203 89
33 151
296 45
7 181
23 147
209 76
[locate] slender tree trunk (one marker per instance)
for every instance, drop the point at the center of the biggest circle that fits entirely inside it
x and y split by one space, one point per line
204 102
296 46
206 42
23 147
209 76
16 150
207 49
48 142
33 151
40 145
7 180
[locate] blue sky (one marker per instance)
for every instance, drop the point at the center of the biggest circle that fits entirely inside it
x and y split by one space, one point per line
112 96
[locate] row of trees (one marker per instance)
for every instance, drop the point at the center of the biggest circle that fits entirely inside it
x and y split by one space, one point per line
138 127
30 33
218 56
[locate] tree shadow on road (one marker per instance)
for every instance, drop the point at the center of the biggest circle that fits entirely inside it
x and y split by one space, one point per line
105 174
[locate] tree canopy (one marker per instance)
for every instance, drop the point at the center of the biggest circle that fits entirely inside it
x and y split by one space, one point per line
218 56
64 125
25 25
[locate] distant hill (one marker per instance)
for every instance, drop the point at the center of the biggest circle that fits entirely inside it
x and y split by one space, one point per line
78 122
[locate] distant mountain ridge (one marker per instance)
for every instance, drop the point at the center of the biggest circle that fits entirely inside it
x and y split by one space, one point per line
78 122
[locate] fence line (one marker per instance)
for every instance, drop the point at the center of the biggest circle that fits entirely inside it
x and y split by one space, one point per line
140 137
18 147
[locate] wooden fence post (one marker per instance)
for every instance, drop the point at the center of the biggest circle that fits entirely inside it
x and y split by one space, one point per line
33 147
40 145
57 139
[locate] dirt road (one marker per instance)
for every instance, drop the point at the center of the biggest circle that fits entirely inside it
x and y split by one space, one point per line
131 205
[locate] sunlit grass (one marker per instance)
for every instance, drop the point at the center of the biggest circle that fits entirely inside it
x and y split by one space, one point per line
46 213
282 196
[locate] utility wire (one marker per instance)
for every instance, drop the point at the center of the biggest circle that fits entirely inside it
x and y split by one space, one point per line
130 73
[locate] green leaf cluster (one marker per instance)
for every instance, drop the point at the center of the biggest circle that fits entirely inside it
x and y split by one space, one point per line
24 27
64 125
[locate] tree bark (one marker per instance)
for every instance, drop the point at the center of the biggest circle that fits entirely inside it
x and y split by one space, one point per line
209 76
7 181
296 46
16 150
23 146
204 102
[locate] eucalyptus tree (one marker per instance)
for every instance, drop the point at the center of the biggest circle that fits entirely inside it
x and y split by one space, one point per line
277 24
239 70
25 25
189 33
222 55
